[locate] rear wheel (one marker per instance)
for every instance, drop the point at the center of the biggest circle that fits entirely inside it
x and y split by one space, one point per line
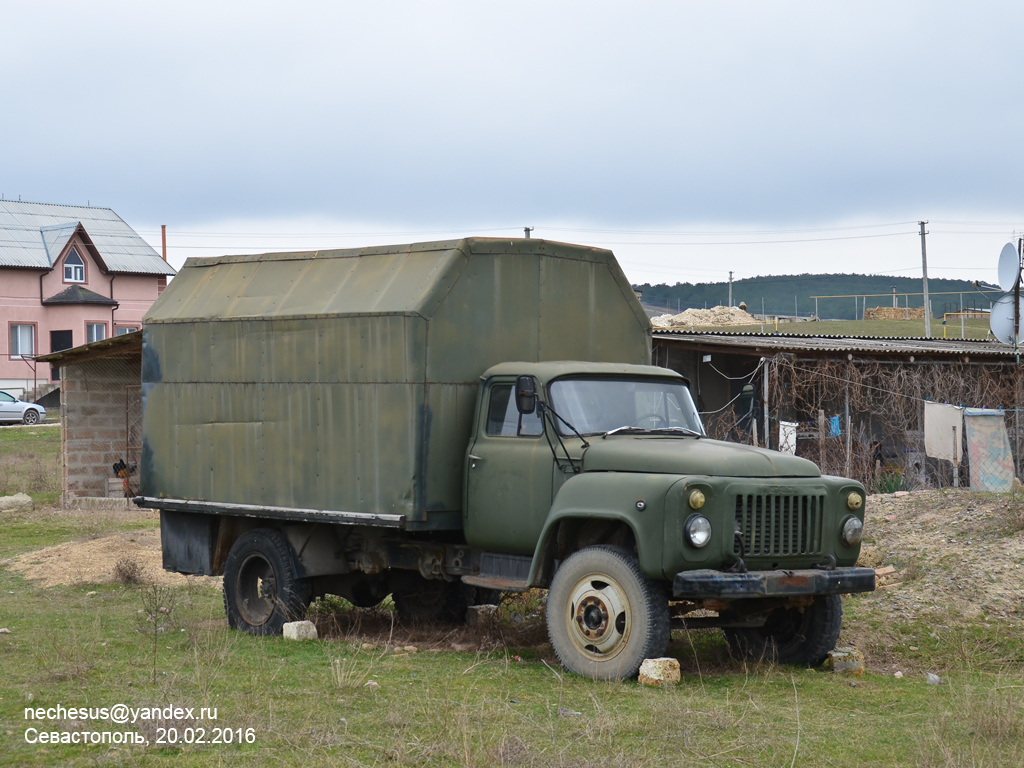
801 636
261 588
604 616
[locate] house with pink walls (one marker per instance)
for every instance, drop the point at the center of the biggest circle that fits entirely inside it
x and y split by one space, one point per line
69 275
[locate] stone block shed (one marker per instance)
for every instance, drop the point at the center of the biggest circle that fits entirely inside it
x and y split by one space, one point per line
101 416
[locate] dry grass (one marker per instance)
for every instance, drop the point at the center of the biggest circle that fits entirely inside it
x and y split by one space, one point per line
1012 513
29 473
128 570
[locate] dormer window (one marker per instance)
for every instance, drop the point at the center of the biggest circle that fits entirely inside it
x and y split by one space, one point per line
74 268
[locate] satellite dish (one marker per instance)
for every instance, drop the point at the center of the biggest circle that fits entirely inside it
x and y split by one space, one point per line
1009 267
1001 319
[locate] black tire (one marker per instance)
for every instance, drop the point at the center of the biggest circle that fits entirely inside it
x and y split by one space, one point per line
261 589
604 616
31 417
801 636
430 600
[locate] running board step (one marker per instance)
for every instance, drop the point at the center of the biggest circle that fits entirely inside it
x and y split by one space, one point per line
506 573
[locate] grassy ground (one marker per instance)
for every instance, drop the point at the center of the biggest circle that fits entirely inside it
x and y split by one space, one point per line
489 696
30 461
973 329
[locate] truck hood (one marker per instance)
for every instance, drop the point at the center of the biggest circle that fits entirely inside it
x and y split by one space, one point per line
690 456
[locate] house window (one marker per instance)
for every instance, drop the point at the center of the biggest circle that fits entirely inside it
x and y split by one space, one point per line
121 330
23 341
95 332
74 268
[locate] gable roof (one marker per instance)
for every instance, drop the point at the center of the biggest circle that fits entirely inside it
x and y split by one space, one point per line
32 235
77 294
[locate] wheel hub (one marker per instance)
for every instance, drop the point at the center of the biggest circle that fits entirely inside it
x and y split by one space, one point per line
256 587
598 617
592 617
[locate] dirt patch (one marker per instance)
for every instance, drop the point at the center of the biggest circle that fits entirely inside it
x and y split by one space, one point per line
955 555
714 316
93 561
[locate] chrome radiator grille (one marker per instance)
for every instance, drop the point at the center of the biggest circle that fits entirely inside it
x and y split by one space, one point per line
774 525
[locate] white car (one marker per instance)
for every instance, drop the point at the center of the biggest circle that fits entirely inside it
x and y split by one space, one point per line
13 409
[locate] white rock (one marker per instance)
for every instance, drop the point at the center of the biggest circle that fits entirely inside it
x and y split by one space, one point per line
845 660
19 502
659 672
4 631
300 630
371 685
934 679
897 674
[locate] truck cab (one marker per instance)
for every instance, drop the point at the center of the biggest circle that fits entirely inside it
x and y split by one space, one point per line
610 465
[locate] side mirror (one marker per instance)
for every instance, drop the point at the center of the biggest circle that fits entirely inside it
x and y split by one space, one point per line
526 394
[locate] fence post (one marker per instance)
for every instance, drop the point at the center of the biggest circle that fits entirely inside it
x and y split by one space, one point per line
765 399
849 432
956 460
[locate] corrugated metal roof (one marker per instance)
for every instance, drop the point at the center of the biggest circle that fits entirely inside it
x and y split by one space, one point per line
870 345
115 346
33 234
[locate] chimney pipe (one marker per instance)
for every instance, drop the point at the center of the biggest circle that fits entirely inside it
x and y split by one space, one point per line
163 237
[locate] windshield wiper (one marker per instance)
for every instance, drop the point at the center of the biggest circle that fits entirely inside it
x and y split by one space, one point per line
684 430
642 431
625 428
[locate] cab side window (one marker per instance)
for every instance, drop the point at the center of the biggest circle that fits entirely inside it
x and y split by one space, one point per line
504 419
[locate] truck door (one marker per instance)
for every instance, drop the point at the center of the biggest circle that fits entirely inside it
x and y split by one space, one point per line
508 475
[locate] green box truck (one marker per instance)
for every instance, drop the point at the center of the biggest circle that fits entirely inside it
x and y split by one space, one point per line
445 420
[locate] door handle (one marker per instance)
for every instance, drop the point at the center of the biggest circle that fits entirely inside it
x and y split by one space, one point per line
473 460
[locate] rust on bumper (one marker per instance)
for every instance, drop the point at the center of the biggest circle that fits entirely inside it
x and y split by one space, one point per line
709 584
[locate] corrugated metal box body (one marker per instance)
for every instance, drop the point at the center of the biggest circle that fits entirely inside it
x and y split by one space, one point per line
345 380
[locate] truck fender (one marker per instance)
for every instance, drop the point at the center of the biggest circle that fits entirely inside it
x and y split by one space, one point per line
633 499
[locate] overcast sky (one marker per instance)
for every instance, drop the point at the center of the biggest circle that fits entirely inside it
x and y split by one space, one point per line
690 138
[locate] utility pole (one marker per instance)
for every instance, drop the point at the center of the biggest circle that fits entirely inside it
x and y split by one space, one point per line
924 271
894 297
730 288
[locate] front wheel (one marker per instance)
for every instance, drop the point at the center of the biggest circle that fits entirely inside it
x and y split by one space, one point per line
801 636
261 588
31 417
604 616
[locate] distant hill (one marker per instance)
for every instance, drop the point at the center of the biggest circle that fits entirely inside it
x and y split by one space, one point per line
779 292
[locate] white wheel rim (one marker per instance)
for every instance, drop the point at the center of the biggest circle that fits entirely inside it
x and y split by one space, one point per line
597 616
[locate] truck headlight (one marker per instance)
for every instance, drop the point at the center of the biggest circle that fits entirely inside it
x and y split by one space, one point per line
855 501
698 531
853 531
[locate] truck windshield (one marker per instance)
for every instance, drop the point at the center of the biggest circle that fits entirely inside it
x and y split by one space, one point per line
599 405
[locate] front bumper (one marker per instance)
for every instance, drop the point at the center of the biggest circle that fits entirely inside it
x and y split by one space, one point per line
709 584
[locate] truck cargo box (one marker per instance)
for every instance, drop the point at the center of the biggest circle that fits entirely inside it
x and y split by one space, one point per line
345 380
